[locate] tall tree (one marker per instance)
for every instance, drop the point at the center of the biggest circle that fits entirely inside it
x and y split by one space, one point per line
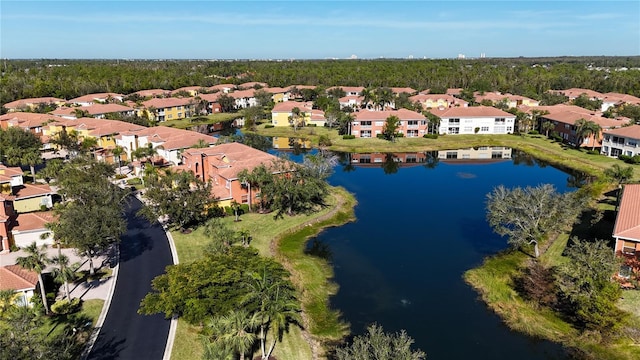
181 199
117 154
64 272
296 118
525 215
20 147
547 126
234 331
390 127
586 129
36 260
619 173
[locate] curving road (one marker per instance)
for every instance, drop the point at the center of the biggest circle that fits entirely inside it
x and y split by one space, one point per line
144 254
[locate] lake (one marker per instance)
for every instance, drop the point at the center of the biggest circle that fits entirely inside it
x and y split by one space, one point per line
420 225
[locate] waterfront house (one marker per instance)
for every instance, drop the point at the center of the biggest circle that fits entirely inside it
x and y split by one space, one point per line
167 108
90 99
621 141
32 122
626 232
474 120
368 123
282 113
32 103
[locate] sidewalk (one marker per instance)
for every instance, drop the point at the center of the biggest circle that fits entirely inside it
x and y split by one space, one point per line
85 290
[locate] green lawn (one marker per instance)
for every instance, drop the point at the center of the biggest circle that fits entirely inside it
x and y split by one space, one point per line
267 233
212 119
92 308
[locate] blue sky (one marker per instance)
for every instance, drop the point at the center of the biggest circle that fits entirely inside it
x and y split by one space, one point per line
316 29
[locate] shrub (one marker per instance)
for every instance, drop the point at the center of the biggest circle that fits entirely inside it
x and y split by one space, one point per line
556 137
430 136
533 132
593 152
630 159
380 136
399 135
244 208
268 126
324 140
120 176
134 181
348 137
64 306
311 125
476 130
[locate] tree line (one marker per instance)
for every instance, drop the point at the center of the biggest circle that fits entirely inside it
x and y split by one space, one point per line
530 77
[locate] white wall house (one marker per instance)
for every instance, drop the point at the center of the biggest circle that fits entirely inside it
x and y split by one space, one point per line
474 120
621 141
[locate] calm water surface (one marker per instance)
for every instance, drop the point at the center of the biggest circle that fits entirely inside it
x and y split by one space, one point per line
418 230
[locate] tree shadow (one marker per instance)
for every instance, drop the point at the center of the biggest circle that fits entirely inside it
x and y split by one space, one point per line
106 349
133 246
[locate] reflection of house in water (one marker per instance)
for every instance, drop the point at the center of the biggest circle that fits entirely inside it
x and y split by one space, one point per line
284 143
405 159
480 153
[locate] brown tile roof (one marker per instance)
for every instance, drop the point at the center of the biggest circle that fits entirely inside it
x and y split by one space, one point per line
27 120
33 221
173 139
32 101
575 92
628 218
454 91
95 97
26 190
570 117
471 111
6 173
210 97
100 127
621 98
287 106
166 102
632 131
95 109
402 114
231 158
14 277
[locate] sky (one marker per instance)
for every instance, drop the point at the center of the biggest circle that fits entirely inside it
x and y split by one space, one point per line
147 29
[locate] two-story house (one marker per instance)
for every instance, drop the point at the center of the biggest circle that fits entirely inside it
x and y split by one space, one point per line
32 122
244 98
90 99
32 103
621 141
98 111
282 113
626 231
474 120
167 108
433 101
367 124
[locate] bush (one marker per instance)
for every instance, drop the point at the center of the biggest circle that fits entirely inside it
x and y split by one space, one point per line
324 140
593 152
430 136
380 136
311 125
630 159
134 181
533 132
268 126
399 135
64 306
348 137
556 137
120 176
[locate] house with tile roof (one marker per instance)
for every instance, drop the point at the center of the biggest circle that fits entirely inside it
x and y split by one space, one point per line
31 227
221 165
98 111
160 110
168 142
564 118
32 103
244 98
223 88
611 99
26 197
574 93
32 122
281 114
511 100
400 90
431 101
211 100
7 219
474 120
97 98
367 123
621 141
19 280
151 93
252 85
349 90
278 94
626 231
191 90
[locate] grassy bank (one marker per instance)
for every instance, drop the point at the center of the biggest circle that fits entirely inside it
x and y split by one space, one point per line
265 232
211 119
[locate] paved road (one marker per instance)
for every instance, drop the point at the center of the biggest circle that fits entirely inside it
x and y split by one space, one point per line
144 254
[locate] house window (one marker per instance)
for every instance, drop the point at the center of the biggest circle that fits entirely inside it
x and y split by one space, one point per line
500 121
379 123
454 130
629 247
412 122
179 114
452 154
509 129
496 154
365 123
365 159
244 199
454 121
484 129
468 129
169 116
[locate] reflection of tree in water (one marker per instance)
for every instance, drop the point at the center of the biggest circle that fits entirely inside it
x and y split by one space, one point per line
257 141
431 159
522 158
578 179
227 129
344 159
319 249
390 165
297 145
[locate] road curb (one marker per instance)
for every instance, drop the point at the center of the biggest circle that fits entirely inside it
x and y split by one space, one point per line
105 307
174 320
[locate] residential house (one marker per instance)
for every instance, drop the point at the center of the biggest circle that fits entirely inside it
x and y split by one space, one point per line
25 197
252 85
31 227
400 90
151 93
278 94
512 101
574 93
19 280
481 153
368 123
454 91
98 111
244 98
294 90
351 101
626 231
474 120
221 165
191 90
7 218
223 88
32 103
431 101
31 122
167 108
564 117
168 142
90 99
621 141
616 99
281 114
212 105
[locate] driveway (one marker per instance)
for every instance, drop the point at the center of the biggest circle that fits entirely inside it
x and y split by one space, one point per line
144 254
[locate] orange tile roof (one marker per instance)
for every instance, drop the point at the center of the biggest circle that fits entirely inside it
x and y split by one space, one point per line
166 102
32 101
287 106
14 277
576 92
34 220
94 109
173 139
95 97
570 117
151 92
26 190
26 120
210 97
471 111
435 97
6 173
348 89
238 94
628 218
621 98
238 157
275 90
400 90
221 87
632 131
402 114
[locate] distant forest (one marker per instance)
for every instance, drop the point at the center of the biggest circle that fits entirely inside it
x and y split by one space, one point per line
530 77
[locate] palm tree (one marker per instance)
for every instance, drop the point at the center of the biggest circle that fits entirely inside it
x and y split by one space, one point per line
64 272
367 97
281 312
32 158
201 144
618 173
294 119
117 153
547 126
385 97
234 330
6 300
244 235
36 260
584 129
